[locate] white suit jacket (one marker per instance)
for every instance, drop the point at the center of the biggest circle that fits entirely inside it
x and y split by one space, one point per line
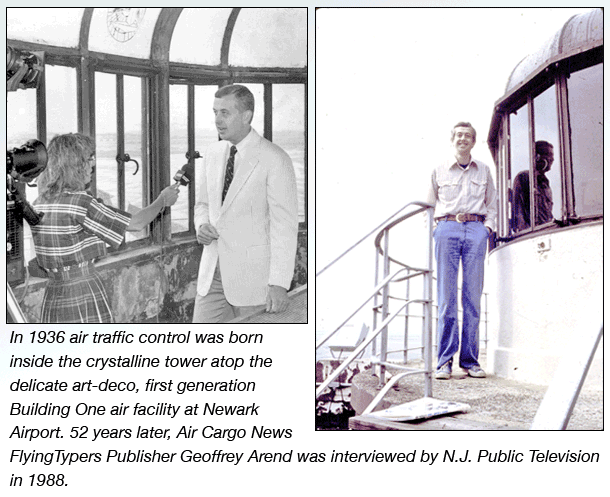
257 223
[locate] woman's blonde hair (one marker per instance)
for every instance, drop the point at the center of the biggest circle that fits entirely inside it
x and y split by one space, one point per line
67 157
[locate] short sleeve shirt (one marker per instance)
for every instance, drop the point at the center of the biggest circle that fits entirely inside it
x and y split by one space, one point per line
75 229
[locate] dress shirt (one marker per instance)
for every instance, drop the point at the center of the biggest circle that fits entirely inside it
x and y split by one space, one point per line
454 189
241 148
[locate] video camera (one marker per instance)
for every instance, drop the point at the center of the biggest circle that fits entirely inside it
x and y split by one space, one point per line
23 69
23 165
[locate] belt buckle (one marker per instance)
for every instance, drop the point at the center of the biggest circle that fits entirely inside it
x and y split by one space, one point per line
457 217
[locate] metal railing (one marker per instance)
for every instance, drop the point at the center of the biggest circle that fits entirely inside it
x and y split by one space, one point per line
405 273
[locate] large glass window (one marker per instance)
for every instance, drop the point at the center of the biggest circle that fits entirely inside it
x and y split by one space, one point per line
519 167
259 107
547 171
179 147
62 116
289 131
20 128
106 138
585 100
121 144
135 145
205 130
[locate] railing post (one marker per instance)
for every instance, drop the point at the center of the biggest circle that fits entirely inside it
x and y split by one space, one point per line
383 353
375 301
406 342
428 307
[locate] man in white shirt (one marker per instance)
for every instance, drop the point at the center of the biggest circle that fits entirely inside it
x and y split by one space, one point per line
464 197
246 216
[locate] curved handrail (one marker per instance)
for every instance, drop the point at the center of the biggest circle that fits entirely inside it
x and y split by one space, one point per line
386 280
361 347
421 204
384 285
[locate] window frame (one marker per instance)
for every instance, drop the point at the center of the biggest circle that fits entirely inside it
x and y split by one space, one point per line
119 71
158 77
555 75
179 77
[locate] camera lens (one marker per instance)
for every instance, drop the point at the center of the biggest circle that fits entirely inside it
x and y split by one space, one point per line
16 59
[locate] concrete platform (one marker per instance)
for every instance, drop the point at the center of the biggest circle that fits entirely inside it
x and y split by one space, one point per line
495 403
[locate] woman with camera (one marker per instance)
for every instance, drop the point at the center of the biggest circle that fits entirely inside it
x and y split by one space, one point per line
75 229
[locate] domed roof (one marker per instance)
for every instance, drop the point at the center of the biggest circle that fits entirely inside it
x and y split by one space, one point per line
579 34
212 37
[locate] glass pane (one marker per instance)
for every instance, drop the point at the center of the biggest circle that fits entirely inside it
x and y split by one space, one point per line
62 114
585 97
136 148
205 131
125 31
547 177
519 169
106 138
178 98
60 27
258 121
212 22
21 127
289 131
21 123
270 37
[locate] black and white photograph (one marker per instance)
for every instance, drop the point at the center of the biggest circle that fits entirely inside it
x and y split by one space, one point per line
157 165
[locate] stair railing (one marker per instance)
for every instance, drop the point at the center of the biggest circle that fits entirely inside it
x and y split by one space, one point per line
383 287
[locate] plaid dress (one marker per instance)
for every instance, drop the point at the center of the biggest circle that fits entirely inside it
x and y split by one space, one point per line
73 233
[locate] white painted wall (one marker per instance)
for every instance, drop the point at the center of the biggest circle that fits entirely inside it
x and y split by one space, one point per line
540 287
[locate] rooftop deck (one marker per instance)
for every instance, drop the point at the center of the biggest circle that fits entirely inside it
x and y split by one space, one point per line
495 403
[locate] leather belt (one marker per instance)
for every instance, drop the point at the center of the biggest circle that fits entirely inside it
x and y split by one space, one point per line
462 218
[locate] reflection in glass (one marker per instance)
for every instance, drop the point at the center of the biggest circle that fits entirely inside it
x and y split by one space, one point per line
585 100
547 173
519 169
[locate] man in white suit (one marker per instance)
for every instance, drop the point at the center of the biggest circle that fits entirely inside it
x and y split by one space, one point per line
246 216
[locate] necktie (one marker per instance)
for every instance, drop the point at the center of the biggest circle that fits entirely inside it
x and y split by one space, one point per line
229 172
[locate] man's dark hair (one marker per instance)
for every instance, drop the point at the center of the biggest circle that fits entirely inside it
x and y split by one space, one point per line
464 124
244 97
543 147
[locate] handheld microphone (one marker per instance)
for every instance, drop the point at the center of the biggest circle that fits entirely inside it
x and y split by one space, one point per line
185 175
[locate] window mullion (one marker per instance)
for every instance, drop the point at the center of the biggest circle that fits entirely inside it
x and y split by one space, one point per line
120 117
565 152
532 162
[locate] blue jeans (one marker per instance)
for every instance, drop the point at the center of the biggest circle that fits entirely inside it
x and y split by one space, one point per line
455 242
